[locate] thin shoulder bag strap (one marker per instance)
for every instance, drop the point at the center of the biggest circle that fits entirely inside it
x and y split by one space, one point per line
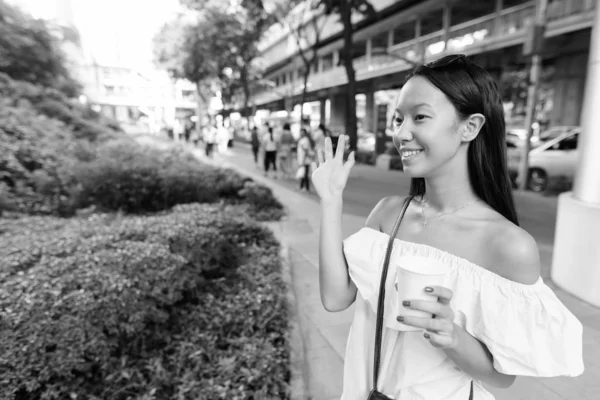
380 301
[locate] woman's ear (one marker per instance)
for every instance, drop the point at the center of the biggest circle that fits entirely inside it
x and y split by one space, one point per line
471 127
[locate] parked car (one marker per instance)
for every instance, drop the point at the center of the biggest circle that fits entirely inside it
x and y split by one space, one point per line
557 131
552 161
516 137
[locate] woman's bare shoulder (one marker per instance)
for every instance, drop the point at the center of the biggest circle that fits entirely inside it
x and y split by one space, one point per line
513 252
386 208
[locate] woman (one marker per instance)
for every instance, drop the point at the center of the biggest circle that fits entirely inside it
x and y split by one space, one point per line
494 318
285 150
255 143
270 145
319 138
306 156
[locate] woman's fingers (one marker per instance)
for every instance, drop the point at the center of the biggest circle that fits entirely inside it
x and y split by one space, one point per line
439 339
431 307
443 294
321 156
349 163
328 149
341 147
442 326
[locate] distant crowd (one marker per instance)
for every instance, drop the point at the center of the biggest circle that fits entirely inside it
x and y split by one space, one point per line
276 150
281 155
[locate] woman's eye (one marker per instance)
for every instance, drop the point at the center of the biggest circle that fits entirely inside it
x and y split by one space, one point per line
420 117
397 121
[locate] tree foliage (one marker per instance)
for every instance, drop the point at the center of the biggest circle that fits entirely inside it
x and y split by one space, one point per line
29 52
217 47
345 9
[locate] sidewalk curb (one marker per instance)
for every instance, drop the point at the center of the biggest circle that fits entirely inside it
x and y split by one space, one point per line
298 365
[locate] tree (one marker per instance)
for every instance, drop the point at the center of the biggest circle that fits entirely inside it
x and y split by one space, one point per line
197 49
308 37
29 52
345 9
246 22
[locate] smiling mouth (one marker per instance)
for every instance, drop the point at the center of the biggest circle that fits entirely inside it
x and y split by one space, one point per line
409 154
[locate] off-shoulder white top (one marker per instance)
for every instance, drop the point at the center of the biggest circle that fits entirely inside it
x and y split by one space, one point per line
526 328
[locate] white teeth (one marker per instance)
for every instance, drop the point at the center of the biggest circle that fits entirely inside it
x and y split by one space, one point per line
410 153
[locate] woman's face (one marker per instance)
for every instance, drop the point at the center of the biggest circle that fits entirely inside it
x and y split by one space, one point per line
426 128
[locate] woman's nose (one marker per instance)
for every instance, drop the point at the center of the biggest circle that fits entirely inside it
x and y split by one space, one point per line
402 134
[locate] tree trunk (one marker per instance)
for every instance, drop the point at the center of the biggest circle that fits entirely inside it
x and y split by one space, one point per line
200 106
346 13
304 90
246 88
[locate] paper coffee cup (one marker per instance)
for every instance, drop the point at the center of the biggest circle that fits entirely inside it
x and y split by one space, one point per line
413 275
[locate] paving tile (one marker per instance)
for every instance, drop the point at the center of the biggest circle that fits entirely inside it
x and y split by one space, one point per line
337 337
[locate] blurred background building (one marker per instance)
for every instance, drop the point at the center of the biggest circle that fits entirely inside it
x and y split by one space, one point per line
110 52
492 32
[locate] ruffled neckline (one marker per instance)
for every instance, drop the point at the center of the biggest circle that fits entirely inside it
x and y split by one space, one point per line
457 262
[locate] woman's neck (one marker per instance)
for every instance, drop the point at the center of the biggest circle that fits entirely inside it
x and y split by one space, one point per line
449 189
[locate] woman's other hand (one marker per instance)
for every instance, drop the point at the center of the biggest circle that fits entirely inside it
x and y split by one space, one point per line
332 174
440 329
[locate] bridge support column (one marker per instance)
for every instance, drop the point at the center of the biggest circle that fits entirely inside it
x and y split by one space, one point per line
576 261
337 120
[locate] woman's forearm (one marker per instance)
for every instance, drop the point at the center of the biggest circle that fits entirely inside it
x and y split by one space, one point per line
338 291
474 358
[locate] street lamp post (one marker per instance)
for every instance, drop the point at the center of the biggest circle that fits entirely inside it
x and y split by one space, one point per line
576 260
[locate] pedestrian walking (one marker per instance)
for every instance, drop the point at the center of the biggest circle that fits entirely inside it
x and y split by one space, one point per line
222 139
210 138
284 154
270 145
255 143
306 157
319 138
487 316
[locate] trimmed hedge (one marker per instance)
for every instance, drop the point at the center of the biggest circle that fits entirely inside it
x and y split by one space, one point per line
185 304
137 178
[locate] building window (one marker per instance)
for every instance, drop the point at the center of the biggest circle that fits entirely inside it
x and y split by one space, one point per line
359 50
512 3
432 22
327 62
460 13
379 44
301 72
404 32
187 95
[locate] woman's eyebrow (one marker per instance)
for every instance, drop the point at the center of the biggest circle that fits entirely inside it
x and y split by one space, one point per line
415 106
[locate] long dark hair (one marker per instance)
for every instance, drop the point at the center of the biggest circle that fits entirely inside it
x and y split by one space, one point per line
304 132
472 90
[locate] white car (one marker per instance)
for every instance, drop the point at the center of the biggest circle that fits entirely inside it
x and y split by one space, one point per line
553 161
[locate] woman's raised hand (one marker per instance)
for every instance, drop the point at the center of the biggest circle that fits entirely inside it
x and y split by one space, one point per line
331 176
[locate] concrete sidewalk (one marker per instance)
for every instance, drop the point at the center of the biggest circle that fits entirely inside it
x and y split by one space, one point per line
325 334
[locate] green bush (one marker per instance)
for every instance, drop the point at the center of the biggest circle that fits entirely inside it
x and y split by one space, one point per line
43 135
135 178
131 307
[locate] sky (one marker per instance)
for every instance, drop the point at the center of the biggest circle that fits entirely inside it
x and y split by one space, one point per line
114 32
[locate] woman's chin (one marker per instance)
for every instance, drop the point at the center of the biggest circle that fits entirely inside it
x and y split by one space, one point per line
412 171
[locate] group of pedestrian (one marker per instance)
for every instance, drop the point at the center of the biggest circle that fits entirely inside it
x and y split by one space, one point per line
215 137
278 148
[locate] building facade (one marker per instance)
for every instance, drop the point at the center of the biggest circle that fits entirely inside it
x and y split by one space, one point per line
491 32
